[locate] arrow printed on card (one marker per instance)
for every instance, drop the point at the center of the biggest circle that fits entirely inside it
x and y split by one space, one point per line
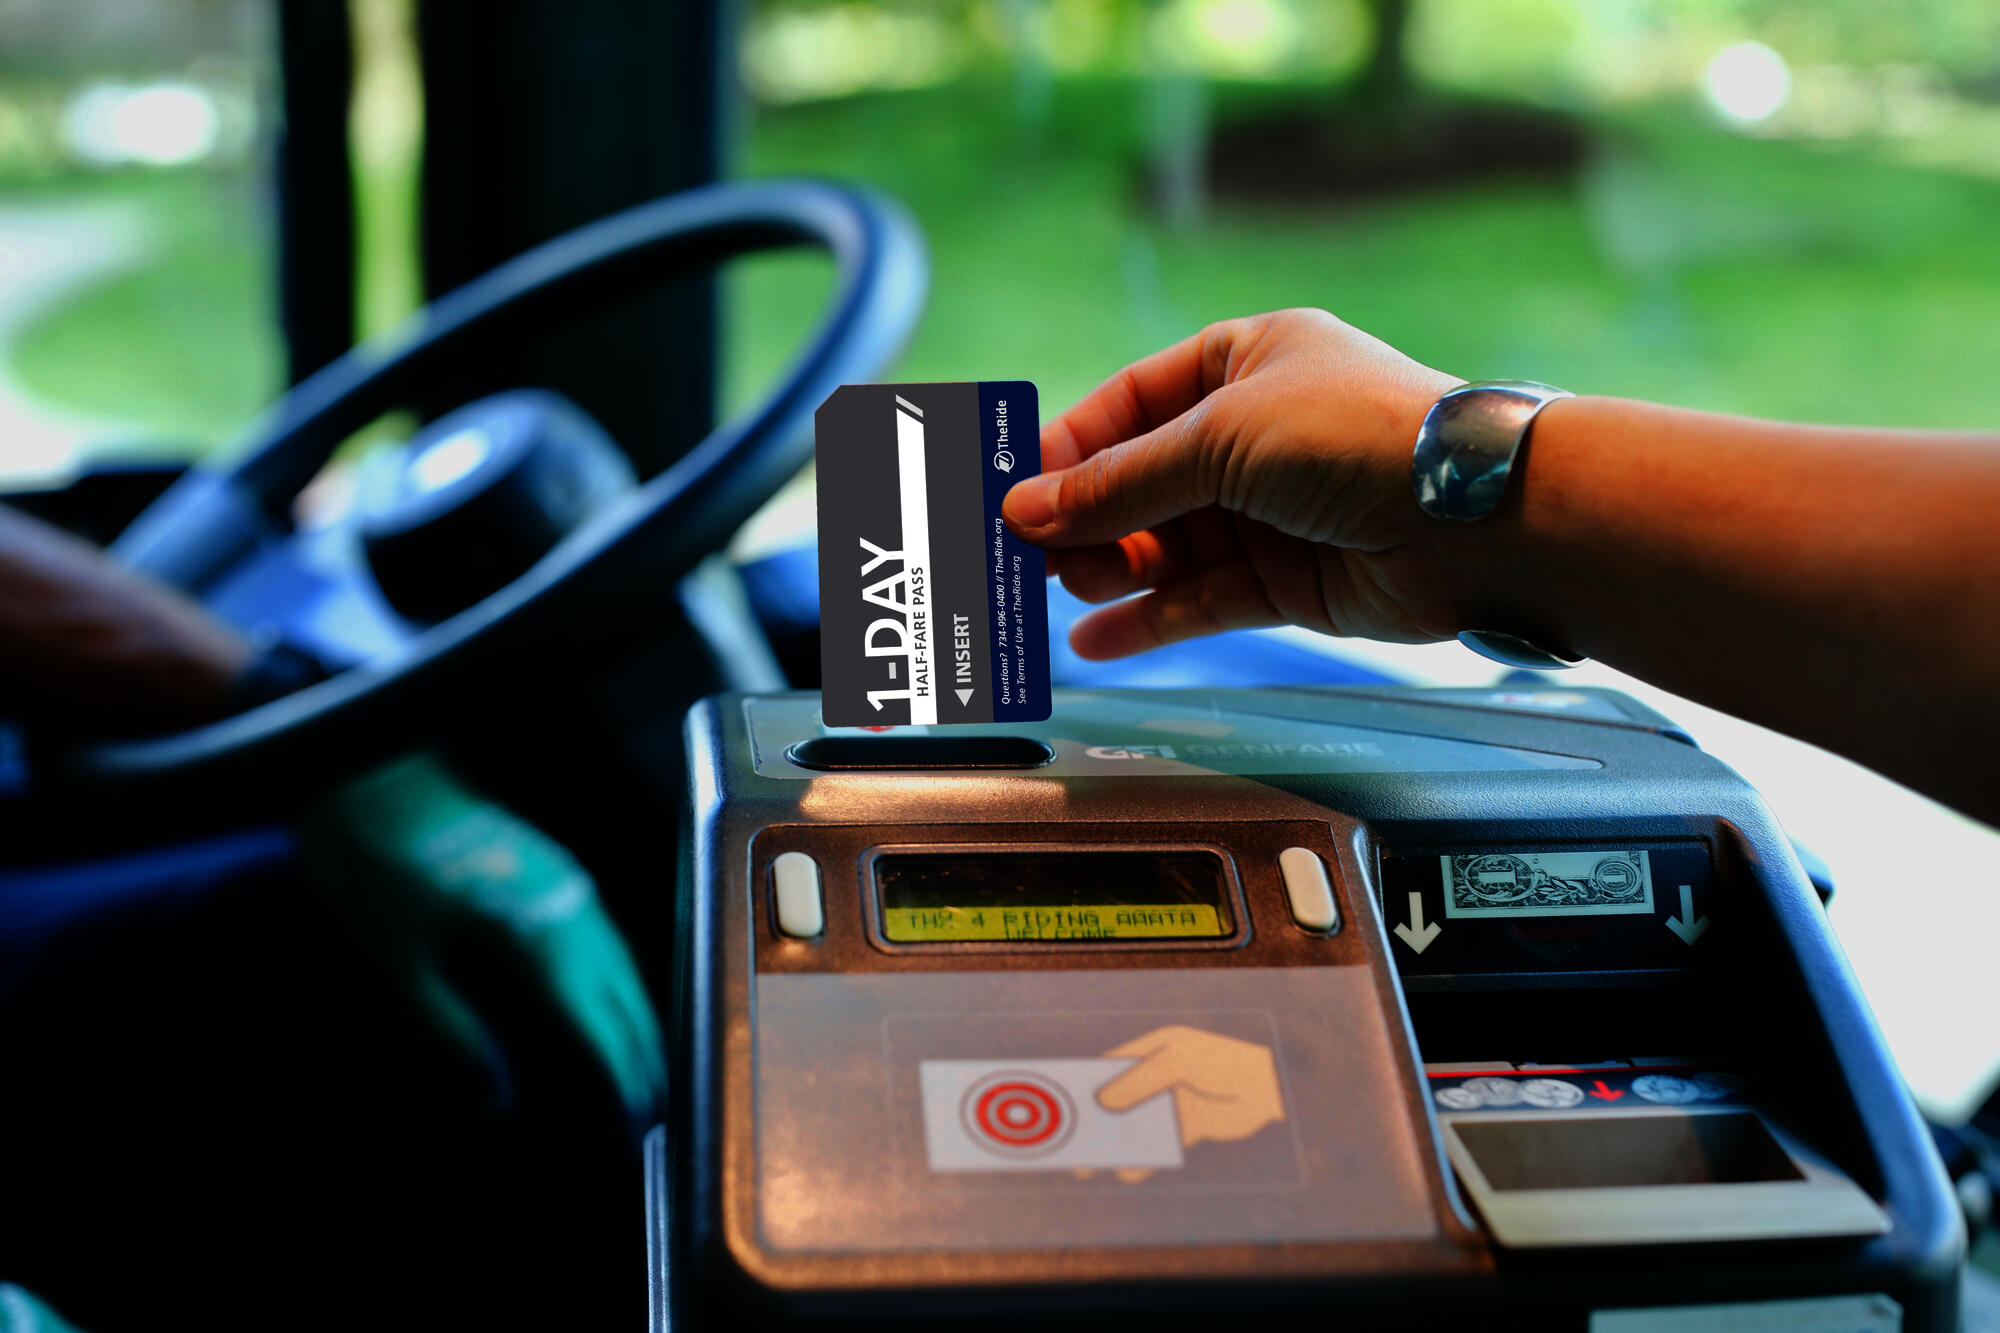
1687 925
1418 935
964 696
1605 1092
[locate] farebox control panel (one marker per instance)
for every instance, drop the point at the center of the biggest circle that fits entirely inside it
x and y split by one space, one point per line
1421 1006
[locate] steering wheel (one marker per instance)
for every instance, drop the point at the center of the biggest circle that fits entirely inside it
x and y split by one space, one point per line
210 520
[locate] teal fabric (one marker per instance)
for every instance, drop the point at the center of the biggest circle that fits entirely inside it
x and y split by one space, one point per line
20 1312
491 925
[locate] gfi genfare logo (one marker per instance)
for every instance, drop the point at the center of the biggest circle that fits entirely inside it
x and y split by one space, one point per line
1130 752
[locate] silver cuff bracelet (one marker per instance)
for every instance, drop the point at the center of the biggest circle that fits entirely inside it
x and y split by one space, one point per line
1464 456
1467 445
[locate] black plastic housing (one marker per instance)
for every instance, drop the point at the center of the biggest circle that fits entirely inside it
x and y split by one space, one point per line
1772 994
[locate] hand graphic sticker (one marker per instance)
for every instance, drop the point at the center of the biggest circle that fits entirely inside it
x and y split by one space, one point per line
1224 1089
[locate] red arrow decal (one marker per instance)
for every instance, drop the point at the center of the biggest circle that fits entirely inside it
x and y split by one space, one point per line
1606 1093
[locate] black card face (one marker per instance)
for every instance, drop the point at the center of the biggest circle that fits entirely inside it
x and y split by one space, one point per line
931 611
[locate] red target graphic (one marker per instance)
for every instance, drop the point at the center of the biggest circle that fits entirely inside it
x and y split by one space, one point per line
1017 1114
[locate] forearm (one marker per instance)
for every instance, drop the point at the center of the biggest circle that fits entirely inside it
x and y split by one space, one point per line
1839 585
1842 586
84 643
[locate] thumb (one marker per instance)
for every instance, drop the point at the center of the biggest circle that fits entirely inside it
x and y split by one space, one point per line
1126 488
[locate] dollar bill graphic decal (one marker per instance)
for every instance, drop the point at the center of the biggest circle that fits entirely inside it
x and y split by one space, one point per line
1527 884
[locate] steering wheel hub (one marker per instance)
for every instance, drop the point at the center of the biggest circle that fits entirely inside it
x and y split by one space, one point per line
480 495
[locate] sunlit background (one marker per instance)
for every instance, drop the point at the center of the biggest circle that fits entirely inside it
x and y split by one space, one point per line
1781 207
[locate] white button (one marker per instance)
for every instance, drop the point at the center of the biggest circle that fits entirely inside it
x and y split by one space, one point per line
1307 886
796 876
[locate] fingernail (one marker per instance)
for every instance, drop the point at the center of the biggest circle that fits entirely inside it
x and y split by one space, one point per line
1032 504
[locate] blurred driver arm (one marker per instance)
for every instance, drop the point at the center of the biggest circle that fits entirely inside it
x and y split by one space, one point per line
86 644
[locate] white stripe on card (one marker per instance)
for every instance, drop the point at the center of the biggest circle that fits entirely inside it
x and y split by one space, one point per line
916 561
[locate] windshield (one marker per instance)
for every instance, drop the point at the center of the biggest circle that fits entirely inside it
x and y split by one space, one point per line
1770 207
1777 209
135 270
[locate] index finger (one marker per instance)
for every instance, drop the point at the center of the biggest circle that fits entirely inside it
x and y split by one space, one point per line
1144 396
1142 1082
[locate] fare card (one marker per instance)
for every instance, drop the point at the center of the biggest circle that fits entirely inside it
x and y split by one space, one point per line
931 611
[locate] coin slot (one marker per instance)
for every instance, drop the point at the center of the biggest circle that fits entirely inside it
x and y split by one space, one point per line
1610 1152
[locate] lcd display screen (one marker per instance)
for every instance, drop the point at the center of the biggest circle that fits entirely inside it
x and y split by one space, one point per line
1051 897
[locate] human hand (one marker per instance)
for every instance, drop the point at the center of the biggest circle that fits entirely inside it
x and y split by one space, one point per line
86 643
1224 1089
1256 474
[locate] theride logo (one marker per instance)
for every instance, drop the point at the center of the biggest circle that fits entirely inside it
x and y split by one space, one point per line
1004 459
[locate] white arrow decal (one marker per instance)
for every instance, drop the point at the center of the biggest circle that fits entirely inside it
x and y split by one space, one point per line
964 696
1686 925
1418 935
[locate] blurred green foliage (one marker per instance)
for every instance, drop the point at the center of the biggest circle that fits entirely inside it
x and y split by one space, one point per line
183 346
1685 265
1808 271
1532 47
